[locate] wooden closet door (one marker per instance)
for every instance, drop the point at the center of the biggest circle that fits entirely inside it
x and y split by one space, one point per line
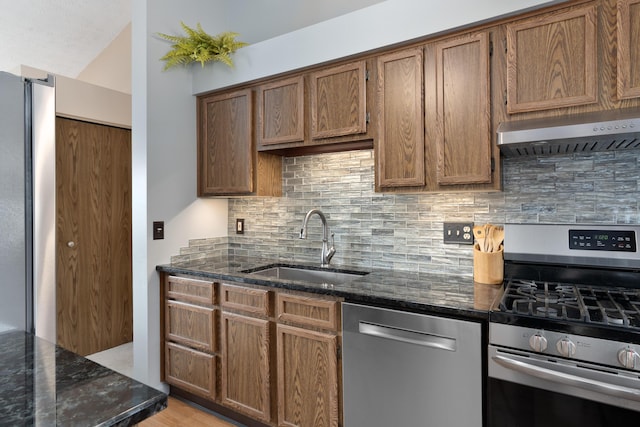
93 250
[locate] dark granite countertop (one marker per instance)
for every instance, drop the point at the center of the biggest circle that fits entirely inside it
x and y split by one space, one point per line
450 295
43 384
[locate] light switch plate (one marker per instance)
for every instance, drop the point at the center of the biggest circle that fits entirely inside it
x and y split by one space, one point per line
458 232
239 226
158 230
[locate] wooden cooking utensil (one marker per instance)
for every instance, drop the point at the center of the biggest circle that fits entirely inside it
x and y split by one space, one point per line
480 234
497 237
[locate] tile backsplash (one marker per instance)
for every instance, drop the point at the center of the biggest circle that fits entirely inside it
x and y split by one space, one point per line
404 231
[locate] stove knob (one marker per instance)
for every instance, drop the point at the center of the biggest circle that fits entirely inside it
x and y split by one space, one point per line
629 358
566 347
538 342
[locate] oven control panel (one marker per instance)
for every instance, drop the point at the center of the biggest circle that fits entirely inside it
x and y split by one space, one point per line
612 353
603 240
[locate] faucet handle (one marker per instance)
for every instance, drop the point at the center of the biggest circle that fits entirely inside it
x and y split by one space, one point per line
332 249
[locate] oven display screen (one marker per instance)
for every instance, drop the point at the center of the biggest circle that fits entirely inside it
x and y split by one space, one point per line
599 240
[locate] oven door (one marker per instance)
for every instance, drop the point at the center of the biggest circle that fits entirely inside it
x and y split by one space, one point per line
531 390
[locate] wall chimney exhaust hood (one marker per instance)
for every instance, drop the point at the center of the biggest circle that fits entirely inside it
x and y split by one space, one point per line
585 133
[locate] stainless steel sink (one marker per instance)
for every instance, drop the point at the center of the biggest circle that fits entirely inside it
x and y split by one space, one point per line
303 274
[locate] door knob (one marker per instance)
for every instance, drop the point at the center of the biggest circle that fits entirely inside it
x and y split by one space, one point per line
71 243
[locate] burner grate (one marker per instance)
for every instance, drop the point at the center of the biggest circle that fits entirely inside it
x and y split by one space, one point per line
578 303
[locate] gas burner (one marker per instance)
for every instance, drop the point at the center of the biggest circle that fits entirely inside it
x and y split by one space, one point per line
614 318
547 311
578 303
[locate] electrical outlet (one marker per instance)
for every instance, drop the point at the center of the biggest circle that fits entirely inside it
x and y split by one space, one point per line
458 232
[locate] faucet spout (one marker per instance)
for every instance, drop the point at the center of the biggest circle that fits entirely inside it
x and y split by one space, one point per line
327 252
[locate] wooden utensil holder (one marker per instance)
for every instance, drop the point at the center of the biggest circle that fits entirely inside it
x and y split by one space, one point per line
488 267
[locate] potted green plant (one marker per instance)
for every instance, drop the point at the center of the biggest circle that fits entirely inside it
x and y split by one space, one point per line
199 46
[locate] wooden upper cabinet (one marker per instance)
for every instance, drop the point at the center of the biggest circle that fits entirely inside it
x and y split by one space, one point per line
400 119
225 143
628 51
463 110
228 162
281 111
551 60
338 101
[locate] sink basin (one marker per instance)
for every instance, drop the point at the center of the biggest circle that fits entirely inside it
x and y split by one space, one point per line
304 274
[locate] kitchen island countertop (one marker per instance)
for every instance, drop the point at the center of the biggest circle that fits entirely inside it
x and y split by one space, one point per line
43 384
414 291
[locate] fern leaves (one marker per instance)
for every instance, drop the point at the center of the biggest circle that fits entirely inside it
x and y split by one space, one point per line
200 46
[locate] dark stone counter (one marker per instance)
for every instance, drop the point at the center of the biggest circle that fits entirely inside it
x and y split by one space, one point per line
450 295
42 384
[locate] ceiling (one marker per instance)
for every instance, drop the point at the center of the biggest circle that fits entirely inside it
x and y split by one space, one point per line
58 36
64 36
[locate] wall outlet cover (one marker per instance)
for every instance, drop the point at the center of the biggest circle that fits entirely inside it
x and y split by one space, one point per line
458 232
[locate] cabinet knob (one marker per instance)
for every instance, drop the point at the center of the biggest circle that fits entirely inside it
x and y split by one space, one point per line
71 244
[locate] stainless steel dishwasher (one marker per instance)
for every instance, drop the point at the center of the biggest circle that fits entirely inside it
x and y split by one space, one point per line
410 370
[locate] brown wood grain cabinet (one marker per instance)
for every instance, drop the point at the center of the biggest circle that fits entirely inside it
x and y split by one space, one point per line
628 55
281 111
552 60
228 162
308 374
400 120
463 110
338 100
190 335
246 351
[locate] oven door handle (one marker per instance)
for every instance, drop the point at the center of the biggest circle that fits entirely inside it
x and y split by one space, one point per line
568 379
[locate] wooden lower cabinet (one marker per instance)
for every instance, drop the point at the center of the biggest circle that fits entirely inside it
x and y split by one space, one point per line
307 378
266 354
245 365
191 370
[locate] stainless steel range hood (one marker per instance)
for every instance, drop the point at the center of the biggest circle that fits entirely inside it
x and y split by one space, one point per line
600 131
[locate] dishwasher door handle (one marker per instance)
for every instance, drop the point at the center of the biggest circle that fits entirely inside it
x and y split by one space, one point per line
407 336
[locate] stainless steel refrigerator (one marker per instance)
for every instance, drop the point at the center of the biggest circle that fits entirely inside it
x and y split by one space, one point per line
27 205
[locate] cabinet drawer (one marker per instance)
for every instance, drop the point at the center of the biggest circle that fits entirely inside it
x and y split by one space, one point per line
191 325
249 300
191 370
307 311
190 290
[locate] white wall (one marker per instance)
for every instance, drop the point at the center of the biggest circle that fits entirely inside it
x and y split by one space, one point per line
164 170
383 24
112 68
164 140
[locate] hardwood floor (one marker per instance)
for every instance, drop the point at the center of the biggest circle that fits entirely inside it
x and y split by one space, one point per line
179 413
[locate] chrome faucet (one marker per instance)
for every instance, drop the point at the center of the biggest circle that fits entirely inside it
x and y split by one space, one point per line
327 252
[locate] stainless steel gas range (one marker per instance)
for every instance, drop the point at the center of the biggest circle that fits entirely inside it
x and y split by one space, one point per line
564 337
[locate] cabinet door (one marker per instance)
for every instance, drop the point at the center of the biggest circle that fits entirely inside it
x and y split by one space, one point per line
628 52
281 112
400 146
245 365
551 61
226 150
463 110
338 101
307 378
191 370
